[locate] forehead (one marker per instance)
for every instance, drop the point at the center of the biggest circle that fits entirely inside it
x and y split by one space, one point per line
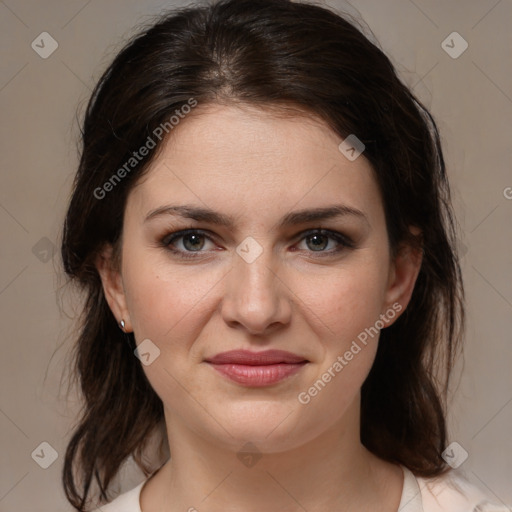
244 157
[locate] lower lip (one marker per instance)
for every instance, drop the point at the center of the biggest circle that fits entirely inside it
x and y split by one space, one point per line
257 376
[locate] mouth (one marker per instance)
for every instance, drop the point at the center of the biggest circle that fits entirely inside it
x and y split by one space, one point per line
257 369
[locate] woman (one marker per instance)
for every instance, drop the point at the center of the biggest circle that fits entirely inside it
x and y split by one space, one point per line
261 223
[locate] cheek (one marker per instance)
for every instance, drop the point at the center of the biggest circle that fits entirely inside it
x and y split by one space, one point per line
345 309
161 299
344 302
336 388
166 307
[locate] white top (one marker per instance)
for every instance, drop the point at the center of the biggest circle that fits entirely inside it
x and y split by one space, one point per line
448 493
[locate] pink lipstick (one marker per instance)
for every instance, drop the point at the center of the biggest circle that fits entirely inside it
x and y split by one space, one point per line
257 369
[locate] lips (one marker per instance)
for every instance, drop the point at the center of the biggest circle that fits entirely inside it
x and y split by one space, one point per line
257 369
249 358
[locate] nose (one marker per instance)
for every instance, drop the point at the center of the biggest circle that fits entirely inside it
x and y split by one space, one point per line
256 298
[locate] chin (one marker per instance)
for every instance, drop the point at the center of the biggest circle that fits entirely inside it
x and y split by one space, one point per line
269 426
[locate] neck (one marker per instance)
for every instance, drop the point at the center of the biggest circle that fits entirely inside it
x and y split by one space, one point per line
333 471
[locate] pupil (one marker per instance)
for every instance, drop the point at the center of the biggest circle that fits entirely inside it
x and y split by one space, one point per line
317 237
192 236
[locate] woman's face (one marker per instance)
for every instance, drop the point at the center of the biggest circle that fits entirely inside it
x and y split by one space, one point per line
261 282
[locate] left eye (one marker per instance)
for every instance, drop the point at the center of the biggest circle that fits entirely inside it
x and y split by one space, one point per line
193 241
319 240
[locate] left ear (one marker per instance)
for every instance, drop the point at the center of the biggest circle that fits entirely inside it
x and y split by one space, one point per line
403 273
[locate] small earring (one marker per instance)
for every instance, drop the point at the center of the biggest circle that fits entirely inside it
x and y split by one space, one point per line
121 325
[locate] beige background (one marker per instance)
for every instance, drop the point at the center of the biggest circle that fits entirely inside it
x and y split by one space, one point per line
470 96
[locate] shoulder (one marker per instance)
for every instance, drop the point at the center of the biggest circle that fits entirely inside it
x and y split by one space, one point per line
454 493
127 502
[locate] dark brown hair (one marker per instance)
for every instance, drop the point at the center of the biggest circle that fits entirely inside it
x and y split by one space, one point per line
271 54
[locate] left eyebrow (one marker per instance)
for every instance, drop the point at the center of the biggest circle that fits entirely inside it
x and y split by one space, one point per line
290 219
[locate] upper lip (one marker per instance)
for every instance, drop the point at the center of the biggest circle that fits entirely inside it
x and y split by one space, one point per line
255 358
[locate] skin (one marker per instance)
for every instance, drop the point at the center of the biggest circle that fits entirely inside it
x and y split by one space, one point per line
257 167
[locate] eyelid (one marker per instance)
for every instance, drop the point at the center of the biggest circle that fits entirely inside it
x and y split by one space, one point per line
167 239
336 235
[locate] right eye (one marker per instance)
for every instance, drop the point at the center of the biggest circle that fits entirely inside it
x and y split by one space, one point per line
192 241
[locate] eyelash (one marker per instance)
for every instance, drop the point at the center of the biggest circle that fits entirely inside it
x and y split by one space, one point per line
344 241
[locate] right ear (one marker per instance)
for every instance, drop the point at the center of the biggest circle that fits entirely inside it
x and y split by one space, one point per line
113 288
